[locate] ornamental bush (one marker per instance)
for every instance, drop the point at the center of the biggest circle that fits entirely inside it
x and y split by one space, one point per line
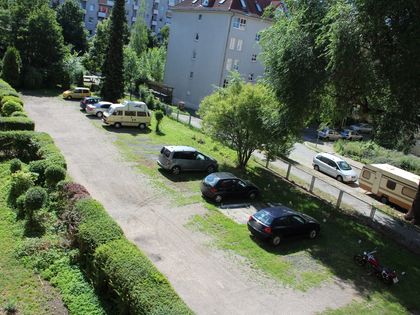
10 107
15 165
16 123
19 114
11 98
21 182
35 199
54 174
39 168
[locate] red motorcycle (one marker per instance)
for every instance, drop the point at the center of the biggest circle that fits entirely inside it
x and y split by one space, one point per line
385 274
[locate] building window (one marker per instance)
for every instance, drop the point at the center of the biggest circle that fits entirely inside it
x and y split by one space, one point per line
194 55
228 64
239 23
251 77
257 37
90 19
196 37
200 16
254 57
239 45
236 64
91 7
225 83
155 6
191 75
232 43
391 184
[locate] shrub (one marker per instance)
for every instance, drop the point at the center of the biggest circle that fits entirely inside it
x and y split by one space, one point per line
39 168
11 98
35 199
19 114
138 285
20 206
8 92
9 107
12 66
159 116
54 174
21 182
15 165
16 123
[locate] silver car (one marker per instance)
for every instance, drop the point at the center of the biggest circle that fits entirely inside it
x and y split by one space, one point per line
351 135
183 158
335 167
98 109
361 127
329 134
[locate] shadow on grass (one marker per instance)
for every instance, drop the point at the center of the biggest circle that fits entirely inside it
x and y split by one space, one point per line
183 176
133 131
342 236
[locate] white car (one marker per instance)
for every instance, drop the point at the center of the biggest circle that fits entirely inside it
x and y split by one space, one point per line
361 127
98 109
351 135
329 134
334 166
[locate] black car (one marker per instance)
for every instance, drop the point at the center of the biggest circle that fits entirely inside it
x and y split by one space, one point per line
276 223
89 100
222 185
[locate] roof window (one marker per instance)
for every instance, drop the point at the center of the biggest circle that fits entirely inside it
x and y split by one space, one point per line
194 1
222 1
243 4
205 3
257 5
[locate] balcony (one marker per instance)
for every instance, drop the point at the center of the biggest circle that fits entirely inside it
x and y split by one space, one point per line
101 14
154 23
135 7
155 11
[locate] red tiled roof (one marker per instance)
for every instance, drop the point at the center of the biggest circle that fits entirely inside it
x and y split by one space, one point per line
251 6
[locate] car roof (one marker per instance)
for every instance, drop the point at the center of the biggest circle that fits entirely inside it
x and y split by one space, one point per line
224 175
279 211
104 103
331 157
179 148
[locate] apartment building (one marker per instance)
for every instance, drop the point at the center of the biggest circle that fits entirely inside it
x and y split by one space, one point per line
156 13
209 39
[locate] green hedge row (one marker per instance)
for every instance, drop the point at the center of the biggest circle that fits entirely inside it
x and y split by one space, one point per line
16 123
30 146
140 286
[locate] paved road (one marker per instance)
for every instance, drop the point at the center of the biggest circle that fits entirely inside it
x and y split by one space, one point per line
209 280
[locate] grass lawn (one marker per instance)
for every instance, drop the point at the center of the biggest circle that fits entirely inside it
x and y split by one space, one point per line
18 284
301 264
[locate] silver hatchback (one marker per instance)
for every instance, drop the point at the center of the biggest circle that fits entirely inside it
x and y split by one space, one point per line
183 158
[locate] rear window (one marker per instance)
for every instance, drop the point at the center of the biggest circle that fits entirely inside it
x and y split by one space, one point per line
211 180
264 217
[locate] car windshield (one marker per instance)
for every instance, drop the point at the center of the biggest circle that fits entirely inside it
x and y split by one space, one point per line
211 180
344 165
264 217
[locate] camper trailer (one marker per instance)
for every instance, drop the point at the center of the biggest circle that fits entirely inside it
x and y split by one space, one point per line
129 113
390 184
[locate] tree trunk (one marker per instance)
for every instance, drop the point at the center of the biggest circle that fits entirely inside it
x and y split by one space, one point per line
414 213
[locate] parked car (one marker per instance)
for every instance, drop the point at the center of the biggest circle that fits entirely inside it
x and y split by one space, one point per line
98 109
89 100
275 223
351 135
129 113
329 134
183 158
362 127
222 185
335 167
78 92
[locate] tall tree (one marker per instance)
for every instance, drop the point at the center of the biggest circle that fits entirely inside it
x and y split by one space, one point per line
95 58
112 70
131 68
246 117
70 16
12 66
5 29
139 38
152 64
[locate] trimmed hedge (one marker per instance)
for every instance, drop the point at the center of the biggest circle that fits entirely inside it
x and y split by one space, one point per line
16 123
29 146
11 98
95 227
140 287
10 107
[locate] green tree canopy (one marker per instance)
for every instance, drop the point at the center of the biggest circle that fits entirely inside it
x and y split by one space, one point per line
70 16
112 70
246 117
139 38
152 64
12 66
131 68
95 58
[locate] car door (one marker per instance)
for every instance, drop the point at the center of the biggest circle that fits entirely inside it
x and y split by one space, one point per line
105 108
297 225
77 93
226 187
201 161
241 189
332 168
323 164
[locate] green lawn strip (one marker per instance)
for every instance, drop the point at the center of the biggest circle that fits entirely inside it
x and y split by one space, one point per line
52 263
17 283
331 254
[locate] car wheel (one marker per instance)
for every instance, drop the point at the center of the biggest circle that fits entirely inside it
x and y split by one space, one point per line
99 114
68 98
176 170
211 169
252 195
142 126
313 234
117 125
276 240
218 198
384 200
316 168
340 178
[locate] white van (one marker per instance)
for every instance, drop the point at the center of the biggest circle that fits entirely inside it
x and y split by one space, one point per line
335 167
390 184
129 113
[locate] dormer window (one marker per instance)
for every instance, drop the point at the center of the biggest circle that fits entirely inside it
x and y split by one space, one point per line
222 1
259 9
243 4
194 1
205 3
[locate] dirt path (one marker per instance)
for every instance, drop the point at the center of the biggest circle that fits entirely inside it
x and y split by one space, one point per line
210 281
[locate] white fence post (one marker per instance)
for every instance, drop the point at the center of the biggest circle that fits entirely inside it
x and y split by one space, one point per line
311 188
340 196
372 212
288 171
